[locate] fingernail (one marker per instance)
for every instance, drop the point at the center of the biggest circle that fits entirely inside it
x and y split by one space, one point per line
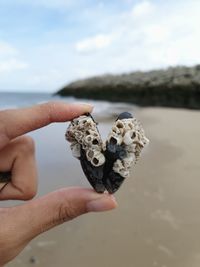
86 106
106 202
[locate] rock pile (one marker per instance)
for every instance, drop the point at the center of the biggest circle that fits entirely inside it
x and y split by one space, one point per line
174 87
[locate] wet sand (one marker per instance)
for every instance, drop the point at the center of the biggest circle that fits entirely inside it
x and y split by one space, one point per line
157 223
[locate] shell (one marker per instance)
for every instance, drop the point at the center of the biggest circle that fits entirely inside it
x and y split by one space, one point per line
76 149
116 139
86 145
122 150
106 165
98 159
83 133
129 137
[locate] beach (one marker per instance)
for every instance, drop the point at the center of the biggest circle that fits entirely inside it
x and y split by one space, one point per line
157 222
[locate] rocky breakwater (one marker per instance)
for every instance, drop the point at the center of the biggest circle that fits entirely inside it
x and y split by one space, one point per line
173 87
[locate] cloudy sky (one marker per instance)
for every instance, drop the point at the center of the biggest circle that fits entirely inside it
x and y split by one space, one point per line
45 44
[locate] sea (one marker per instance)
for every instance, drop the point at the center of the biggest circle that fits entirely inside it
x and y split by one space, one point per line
14 100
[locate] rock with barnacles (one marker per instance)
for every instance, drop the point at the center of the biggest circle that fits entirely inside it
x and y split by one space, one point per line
87 146
106 165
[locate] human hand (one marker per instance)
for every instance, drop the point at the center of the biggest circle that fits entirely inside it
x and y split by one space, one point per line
20 224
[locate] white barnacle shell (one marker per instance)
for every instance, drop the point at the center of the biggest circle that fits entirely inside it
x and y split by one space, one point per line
69 135
90 154
76 149
130 125
98 159
124 173
91 131
91 140
88 139
80 120
121 126
129 137
127 162
79 136
116 139
140 139
116 130
131 148
119 168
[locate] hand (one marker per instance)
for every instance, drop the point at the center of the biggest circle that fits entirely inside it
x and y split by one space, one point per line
20 224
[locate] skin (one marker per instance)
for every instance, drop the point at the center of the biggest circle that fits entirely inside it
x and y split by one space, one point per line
20 224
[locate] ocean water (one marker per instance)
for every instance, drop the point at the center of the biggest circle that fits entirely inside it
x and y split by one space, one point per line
17 100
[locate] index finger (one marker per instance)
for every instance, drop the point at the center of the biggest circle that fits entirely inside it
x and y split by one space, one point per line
16 122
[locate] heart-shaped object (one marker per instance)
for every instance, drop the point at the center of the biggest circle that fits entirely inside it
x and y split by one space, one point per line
106 164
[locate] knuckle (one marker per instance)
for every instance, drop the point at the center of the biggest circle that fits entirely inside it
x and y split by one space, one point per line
28 193
50 109
27 144
52 104
67 212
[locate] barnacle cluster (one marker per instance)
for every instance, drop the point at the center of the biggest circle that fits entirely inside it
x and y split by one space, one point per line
107 164
129 134
83 134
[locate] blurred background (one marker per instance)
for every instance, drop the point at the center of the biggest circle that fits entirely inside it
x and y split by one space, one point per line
145 58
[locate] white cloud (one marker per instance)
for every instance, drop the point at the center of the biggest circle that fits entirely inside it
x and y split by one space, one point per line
94 43
9 60
143 9
6 49
12 65
149 36
157 33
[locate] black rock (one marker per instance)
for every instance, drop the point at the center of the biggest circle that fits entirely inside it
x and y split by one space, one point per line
113 180
93 174
124 115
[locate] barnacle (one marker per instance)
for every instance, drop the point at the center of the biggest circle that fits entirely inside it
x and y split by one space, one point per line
87 147
120 155
106 165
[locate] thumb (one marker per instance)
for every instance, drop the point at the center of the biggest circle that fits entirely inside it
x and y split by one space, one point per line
44 213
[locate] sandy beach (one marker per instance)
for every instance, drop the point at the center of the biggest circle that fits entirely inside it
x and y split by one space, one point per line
157 223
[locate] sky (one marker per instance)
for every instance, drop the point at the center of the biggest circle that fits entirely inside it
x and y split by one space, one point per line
45 44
